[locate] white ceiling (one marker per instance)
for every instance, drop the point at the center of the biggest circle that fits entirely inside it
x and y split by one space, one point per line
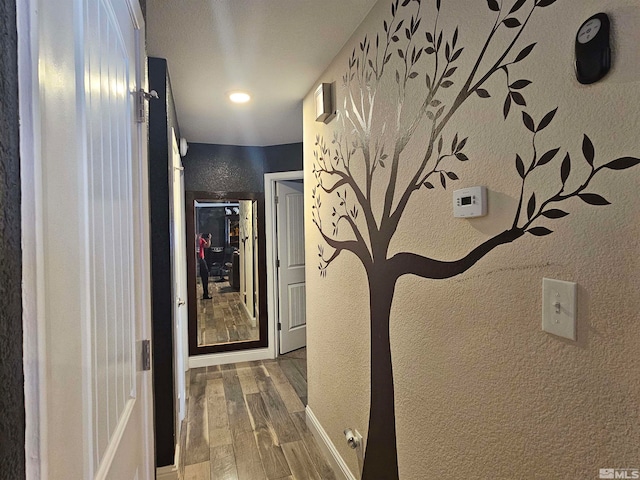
275 49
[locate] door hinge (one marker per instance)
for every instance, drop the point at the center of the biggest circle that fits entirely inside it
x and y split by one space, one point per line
279 326
276 199
278 263
141 97
146 355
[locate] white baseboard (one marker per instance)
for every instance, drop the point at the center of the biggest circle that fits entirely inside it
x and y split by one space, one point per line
328 448
209 360
170 472
252 319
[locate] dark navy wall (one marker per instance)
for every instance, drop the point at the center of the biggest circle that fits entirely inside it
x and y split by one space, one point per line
12 417
283 158
231 168
161 119
223 168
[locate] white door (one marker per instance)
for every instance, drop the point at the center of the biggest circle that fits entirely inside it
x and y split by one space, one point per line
291 281
92 245
179 273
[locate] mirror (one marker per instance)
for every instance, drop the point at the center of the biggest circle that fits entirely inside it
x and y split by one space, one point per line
226 271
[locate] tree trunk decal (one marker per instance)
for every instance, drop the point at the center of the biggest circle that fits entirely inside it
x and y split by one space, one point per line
368 149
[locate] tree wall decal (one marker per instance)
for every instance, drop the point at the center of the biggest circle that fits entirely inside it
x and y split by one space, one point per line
368 149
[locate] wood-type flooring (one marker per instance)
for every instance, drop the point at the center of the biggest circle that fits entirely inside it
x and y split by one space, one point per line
246 421
223 318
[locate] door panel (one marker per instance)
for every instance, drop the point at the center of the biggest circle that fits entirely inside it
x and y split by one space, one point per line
93 266
116 272
291 280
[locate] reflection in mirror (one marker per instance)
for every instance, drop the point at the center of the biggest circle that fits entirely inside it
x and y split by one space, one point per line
226 271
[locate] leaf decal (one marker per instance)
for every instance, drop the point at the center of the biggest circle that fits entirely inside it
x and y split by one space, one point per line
517 6
413 74
443 180
440 145
528 121
593 199
450 72
524 53
493 5
429 185
507 106
539 231
547 157
546 120
518 98
446 84
462 157
622 163
531 206
438 5
519 84
554 213
588 150
545 3
429 37
482 93
452 176
511 22
454 143
462 143
456 54
520 166
565 169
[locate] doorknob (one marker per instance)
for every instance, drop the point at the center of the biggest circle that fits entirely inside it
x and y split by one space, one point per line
181 302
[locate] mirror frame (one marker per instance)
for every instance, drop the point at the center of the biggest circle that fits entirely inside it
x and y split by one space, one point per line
263 322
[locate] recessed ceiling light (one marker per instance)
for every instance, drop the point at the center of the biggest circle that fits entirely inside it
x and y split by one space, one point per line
239 97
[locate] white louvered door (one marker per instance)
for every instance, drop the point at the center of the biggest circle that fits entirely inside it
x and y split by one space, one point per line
291 281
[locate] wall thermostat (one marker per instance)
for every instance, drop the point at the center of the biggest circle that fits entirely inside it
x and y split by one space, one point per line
470 202
593 52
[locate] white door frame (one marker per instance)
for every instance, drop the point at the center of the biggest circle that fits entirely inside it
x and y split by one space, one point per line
270 180
178 285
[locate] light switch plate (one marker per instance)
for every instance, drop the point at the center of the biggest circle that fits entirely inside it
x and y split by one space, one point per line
559 307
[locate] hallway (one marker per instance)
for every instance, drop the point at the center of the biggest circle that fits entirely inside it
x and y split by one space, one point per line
246 421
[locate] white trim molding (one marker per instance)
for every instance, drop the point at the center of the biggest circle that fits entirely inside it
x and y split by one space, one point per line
327 447
169 472
252 355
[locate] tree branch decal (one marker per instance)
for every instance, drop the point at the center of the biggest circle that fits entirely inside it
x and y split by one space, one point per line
360 168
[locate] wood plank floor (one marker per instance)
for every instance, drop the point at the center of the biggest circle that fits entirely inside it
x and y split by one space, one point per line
223 319
246 421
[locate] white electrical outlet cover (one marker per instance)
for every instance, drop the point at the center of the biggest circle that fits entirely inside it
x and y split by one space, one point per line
559 307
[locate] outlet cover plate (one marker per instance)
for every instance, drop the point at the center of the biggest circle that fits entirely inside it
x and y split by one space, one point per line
559 307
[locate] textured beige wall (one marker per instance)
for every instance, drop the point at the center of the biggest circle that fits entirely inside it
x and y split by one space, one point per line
481 391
